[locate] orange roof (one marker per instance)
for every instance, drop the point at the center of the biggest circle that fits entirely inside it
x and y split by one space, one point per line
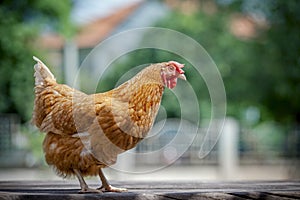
91 34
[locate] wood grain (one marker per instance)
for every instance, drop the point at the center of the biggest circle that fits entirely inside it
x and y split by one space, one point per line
154 190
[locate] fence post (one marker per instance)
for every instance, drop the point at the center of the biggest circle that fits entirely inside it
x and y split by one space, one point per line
228 149
71 61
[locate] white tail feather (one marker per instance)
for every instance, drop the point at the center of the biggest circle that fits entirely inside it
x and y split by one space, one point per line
41 72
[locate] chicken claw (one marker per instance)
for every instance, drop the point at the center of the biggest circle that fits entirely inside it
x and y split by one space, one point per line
89 190
84 187
106 187
110 188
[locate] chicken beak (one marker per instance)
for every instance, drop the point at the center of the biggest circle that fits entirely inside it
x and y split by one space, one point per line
182 76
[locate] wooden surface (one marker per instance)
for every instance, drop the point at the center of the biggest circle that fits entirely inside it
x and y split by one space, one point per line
153 190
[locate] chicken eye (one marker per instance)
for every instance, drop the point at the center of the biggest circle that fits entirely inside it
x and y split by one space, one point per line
171 68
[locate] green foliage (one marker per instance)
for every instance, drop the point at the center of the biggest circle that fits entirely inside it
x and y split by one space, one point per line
15 66
20 22
283 43
35 144
234 58
269 137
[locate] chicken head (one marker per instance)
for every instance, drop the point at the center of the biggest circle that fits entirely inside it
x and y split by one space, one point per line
171 72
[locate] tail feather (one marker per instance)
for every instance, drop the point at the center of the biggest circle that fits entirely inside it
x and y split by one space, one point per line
41 72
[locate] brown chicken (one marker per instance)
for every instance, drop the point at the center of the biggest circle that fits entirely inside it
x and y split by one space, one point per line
87 132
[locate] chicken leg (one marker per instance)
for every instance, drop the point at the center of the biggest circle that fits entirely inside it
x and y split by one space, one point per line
84 187
106 187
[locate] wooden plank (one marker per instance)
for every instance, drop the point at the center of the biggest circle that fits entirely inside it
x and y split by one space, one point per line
205 196
291 194
46 190
263 195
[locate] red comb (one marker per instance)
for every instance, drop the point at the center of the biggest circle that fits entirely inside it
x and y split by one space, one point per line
178 66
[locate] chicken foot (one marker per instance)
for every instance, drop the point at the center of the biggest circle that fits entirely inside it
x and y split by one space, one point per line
106 187
84 187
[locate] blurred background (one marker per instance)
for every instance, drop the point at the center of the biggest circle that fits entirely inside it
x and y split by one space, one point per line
254 43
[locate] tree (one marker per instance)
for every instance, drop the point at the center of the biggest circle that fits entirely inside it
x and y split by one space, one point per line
284 41
20 25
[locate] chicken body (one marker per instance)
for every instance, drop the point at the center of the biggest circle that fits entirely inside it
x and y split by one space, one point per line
85 133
